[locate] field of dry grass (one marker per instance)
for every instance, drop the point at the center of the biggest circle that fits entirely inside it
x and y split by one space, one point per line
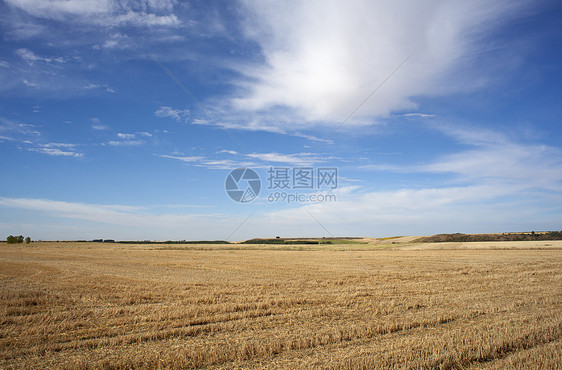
132 306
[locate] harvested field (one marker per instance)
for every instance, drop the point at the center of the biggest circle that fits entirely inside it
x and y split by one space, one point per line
135 306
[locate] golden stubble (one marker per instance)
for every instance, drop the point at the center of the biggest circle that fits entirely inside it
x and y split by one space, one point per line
81 305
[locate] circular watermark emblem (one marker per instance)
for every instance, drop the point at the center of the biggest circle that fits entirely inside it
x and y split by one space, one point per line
242 185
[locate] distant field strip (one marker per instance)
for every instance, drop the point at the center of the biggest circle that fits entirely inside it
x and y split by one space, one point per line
130 306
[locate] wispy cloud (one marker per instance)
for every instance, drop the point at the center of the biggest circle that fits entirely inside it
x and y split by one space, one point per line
94 86
250 160
215 164
191 159
104 13
476 208
269 125
56 149
180 115
140 221
24 129
30 57
299 159
125 142
97 124
322 60
27 135
126 136
494 158
130 139
418 115
117 40
26 82
57 152
527 165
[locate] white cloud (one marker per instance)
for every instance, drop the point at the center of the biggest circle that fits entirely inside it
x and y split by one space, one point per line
30 83
59 145
478 208
27 55
418 115
125 143
215 164
94 86
102 12
121 222
527 165
225 164
128 139
57 152
58 8
183 158
24 129
30 57
494 158
264 160
126 136
177 114
500 184
53 149
145 19
323 58
199 121
97 124
117 41
299 159
271 124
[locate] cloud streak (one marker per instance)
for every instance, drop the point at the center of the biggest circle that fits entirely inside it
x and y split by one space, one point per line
180 115
121 221
323 58
102 12
255 160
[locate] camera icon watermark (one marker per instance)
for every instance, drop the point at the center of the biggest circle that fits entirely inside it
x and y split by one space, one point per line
243 185
286 184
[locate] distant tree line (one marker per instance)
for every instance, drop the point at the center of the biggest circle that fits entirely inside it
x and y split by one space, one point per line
511 237
284 241
174 242
17 239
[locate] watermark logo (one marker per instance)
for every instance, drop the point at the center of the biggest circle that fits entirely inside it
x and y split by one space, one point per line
281 178
243 185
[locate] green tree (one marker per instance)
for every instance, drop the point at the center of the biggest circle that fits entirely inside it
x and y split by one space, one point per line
27 240
15 239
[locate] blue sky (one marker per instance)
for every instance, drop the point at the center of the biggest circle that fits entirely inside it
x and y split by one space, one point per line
122 119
